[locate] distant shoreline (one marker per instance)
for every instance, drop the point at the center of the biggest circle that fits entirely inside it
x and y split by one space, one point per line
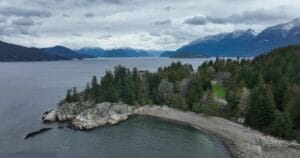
241 141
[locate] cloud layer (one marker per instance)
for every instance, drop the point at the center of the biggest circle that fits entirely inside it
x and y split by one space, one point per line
157 24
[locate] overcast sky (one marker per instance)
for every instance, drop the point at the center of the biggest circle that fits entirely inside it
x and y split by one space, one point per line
143 24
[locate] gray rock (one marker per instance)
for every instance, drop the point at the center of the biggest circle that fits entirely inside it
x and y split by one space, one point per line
101 114
85 115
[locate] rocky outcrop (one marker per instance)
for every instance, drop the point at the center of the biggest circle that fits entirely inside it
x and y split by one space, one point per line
34 133
87 116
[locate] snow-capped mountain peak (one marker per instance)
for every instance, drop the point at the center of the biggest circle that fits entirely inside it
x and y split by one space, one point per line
221 36
288 26
239 33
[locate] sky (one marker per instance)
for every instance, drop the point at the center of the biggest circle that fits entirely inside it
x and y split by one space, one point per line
141 24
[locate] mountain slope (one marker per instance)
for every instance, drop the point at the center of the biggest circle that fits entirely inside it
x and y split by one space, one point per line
94 52
12 52
118 52
64 52
168 54
244 43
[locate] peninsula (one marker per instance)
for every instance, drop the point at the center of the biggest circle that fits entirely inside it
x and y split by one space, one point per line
252 105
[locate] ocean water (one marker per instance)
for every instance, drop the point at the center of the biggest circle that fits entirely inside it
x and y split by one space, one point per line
27 89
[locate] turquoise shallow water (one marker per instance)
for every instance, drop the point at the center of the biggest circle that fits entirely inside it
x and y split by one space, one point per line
27 89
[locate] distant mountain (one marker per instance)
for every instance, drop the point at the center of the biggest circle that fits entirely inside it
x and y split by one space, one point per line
64 52
155 53
244 43
126 52
117 52
168 53
94 52
12 52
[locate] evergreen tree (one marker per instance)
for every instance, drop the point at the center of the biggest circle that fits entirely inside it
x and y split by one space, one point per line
94 82
95 89
292 105
261 111
108 88
75 96
69 96
197 107
195 90
232 97
281 126
178 101
86 92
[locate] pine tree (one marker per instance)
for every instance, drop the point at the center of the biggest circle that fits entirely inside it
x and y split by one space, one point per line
261 111
195 90
95 89
69 96
108 88
292 105
281 126
86 92
94 82
75 96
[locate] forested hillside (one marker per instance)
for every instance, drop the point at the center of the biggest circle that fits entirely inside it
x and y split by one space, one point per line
12 52
263 93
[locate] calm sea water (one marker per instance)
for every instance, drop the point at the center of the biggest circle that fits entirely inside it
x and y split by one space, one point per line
27 89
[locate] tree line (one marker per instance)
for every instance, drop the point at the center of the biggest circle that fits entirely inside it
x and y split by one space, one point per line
272 80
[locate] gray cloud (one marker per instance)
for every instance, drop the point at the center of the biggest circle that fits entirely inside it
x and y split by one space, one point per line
105 36
196 20
89 15
2 19
163 22
23 22
77 34
247 17
112 1
169 8
22 12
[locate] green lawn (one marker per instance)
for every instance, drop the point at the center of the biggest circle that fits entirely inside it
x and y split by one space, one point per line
218 90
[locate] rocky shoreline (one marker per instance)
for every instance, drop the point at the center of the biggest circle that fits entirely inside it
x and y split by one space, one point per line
243 142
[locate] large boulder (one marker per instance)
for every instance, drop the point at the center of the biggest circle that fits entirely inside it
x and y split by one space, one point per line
85 115
101 114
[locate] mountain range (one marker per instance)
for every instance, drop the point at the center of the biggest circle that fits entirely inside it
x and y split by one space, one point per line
243 43
111 53
12 52
65 52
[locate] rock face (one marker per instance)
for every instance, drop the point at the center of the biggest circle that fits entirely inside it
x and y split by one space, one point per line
84 115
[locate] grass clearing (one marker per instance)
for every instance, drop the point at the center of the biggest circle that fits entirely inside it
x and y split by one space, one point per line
218 90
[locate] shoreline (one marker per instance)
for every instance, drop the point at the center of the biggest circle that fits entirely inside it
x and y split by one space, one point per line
242 142
222 139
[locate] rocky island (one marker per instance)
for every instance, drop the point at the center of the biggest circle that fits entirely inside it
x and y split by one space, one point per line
85 115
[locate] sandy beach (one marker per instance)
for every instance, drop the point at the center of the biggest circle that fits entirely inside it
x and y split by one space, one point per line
243 142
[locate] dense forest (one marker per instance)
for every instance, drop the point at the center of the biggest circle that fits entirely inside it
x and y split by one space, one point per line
263 93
